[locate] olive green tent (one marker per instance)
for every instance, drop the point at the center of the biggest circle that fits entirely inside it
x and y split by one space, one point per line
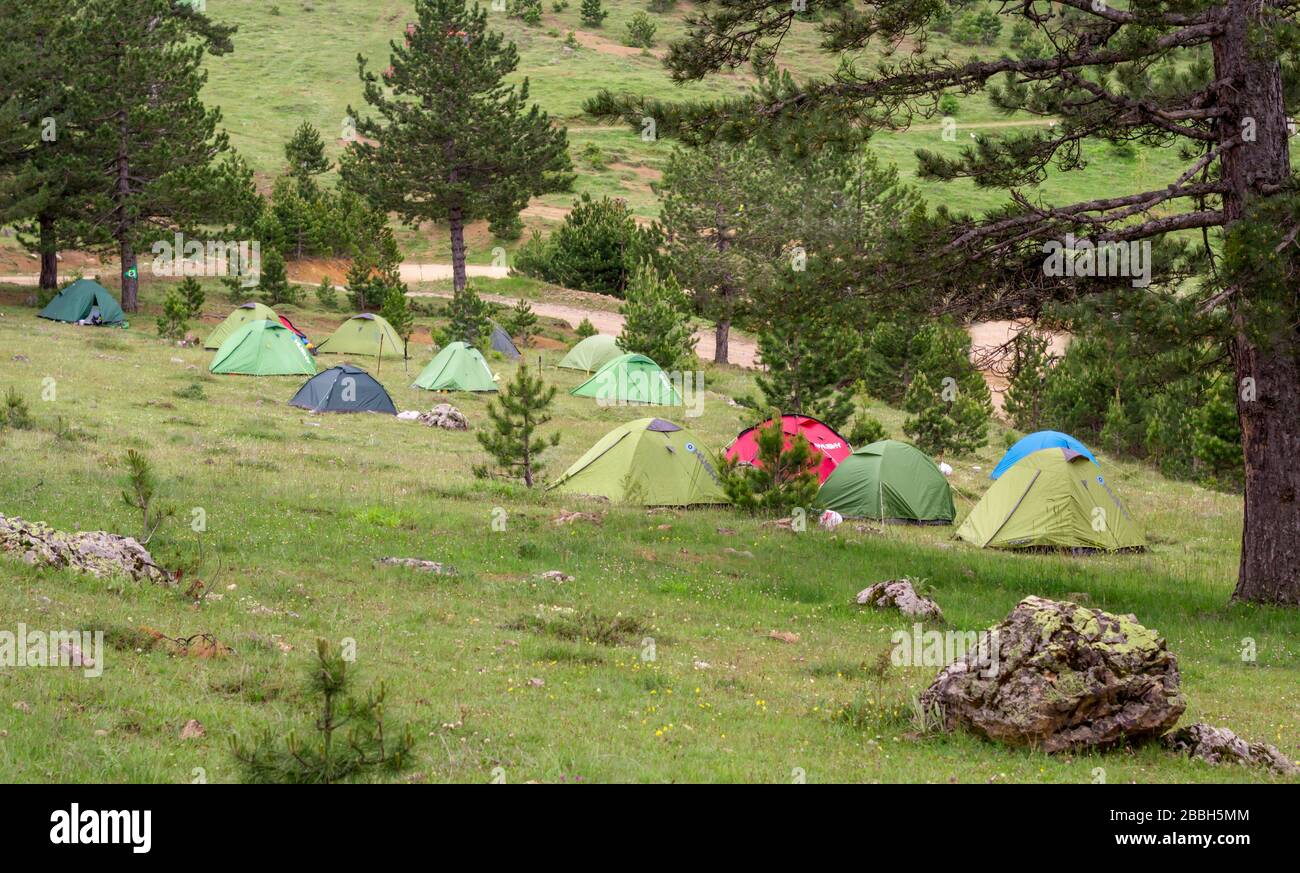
1054 498
243 314
263 348
458 367
85 300
890 481
648 462
630 379
364 334
592 353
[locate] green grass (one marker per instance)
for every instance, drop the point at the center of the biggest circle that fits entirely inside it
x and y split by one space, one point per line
299 507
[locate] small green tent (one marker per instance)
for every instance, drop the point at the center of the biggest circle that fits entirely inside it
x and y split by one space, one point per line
85 300
648 462
458 367
364 334
890 481
630 379
243 314
1053 498
263 348
592 353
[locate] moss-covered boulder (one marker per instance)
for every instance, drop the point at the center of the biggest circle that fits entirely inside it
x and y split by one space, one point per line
1059 676
98 553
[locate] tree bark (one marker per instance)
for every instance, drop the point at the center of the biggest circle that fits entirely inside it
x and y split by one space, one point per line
456 220
49 246
1267 368
721 339
122 227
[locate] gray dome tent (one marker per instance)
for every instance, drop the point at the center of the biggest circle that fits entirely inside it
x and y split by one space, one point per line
344 389
501 342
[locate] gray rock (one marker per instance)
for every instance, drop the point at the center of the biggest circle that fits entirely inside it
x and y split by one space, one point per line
98 553
445 416
1059 676
420 564
899 594
1222 746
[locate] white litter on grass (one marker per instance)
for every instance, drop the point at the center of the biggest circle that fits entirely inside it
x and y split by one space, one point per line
945 469
830 519
408 414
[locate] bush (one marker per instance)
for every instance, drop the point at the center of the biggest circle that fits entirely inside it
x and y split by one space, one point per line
15 413
657 320
592 14
780 480
274 281
467 316
640 31
586 328
948 398
1027 380
192 293
175 318
326 294
865 431
595 249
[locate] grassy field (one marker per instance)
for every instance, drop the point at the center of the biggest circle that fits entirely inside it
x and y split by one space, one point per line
270 84
301 506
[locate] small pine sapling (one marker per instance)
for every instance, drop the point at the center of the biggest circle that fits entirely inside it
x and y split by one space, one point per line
515 416
141 494
780 479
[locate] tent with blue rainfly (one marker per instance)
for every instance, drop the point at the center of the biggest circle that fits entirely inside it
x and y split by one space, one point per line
85 301
344 388
1036 442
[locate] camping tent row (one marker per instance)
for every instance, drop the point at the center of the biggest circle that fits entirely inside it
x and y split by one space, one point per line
85 301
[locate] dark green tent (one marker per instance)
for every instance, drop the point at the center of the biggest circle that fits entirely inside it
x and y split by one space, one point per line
344 389
84 301
888 480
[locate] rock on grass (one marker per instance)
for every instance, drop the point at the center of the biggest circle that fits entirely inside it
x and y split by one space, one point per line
98 553
1058 676
1222 746
899 594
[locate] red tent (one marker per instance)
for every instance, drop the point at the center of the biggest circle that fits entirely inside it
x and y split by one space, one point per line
833 447
302 337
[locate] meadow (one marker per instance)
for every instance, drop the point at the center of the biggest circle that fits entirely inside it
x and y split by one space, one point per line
656 663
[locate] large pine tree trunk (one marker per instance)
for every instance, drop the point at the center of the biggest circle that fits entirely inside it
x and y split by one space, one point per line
123 228
456 219
1267 369
721 339
49 246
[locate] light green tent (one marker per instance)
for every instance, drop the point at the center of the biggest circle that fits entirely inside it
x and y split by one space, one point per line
243 314
890 481
592 353
1054 498
458 367
364 334
263 348
630 379
647 462
84 300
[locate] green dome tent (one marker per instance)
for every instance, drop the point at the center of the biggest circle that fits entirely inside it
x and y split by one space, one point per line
891 481
648 462
458 367
1053 498
263 348
243 314
364 334
592 353
630 379
84 300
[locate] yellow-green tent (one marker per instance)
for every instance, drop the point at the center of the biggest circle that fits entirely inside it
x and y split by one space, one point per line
243 314
1054 498
647 462
364 334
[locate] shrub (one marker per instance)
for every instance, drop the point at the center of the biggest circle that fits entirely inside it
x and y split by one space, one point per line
592 14
781 479
657 320
640 31
175 318
586 328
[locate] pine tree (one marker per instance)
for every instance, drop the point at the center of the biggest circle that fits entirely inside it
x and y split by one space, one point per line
516 415
274 281
596 248
585 329
781 479
140 74
175 318
1027 380
305 153
948 398
397 312
656 320
365 744
192 293
522 324
452 141
468 320
591 13
326 295
375 268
